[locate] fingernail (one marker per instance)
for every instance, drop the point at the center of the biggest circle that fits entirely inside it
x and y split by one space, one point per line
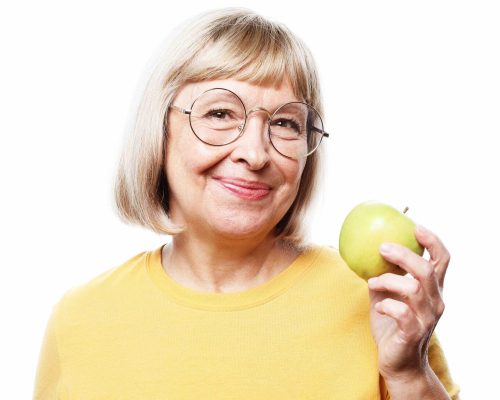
372 281
421 229
385 247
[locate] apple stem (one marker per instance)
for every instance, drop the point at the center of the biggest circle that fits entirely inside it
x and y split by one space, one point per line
406 209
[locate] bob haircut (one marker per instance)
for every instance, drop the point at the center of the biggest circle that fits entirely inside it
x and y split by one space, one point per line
225 43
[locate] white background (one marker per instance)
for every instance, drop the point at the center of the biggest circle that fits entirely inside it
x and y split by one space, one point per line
412 99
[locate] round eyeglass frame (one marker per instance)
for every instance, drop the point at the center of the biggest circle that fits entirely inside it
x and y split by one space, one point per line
241 128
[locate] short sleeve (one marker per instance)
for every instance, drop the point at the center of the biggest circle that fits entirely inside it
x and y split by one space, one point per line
48 372
439 365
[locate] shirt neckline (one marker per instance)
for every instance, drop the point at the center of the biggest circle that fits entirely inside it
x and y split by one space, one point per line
252 297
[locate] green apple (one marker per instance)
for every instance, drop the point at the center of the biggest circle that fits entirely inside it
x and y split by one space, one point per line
365 228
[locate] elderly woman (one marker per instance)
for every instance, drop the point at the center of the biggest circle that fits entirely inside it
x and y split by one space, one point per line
224 156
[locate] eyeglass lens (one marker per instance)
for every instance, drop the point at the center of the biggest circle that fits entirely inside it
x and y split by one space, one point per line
218 118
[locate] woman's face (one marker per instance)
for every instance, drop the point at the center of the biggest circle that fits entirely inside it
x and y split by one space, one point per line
240 190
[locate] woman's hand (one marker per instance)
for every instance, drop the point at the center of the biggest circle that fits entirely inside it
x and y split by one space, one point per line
404 310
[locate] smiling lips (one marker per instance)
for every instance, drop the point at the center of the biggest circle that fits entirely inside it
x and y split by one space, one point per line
249 190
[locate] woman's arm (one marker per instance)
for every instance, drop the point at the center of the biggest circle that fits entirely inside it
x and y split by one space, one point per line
404 311
439 366
424 386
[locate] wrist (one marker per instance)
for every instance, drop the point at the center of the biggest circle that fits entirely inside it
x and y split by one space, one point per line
418 385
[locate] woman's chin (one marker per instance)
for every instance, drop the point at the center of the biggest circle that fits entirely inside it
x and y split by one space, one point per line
239 229
228 223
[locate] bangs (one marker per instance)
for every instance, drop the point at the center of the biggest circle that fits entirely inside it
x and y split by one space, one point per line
258 53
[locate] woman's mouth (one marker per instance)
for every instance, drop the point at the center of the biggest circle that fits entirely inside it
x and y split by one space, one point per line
245 189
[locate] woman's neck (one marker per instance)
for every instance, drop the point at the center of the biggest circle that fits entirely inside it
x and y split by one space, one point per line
221 268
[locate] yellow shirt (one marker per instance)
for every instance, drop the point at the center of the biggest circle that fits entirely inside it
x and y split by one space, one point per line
135 333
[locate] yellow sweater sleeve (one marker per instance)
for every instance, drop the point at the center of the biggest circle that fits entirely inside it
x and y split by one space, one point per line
49 364
439 365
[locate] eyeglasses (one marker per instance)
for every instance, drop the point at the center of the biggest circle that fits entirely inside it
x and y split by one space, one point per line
218 117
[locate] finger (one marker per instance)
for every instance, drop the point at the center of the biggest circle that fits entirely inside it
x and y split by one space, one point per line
404 316
438 253
375 297
416 265
406 288
410 261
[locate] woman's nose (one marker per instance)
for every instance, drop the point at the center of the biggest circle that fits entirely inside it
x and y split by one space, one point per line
253 146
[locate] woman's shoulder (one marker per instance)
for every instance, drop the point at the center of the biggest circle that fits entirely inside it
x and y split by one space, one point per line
111 284
331 280
328 262
329 256
325 252
113 274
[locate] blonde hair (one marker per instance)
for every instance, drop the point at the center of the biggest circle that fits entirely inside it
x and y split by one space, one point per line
225 43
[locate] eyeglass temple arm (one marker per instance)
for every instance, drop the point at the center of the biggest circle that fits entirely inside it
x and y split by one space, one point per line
320 131
182 110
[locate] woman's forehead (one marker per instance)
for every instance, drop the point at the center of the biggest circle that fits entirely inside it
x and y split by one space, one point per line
251 94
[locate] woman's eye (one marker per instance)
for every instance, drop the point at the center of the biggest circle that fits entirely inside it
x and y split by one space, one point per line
288 124
218 114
